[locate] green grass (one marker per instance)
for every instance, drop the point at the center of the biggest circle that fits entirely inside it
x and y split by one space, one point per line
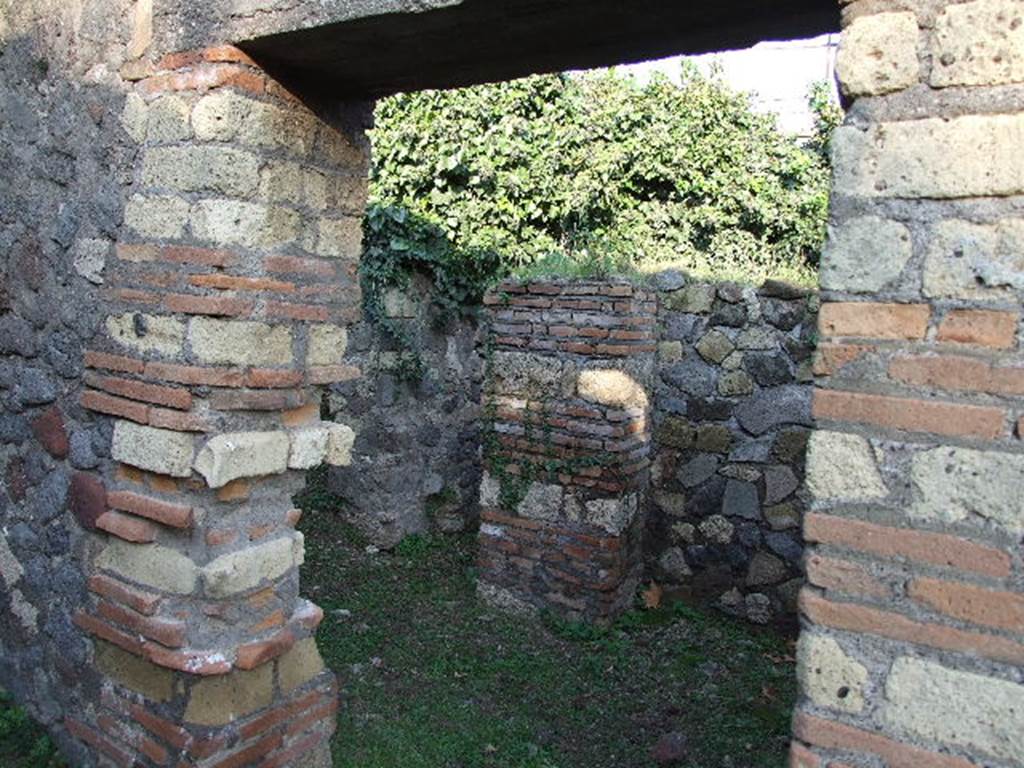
23 744
433 679
698 267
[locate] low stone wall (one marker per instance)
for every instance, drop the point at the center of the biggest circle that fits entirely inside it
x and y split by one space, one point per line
732 412
573 376
416 412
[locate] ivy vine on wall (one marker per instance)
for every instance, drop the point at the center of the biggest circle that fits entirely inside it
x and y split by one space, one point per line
587 174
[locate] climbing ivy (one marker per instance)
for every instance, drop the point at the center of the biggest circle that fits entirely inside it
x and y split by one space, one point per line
514 485
586 174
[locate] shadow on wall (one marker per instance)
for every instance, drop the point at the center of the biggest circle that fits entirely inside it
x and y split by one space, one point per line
65 158
730 404
416 409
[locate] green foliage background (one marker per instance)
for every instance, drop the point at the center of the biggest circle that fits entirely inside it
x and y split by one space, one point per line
592 173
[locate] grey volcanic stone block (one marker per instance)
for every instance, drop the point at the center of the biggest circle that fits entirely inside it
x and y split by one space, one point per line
741 500
697 470
692 377
769 369
669 280
17 337
35 387
753 451
773 407
779 482
785 545
49 498
82 454
13 428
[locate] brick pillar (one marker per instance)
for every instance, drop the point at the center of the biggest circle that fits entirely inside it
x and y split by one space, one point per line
566 454
913 637
228 306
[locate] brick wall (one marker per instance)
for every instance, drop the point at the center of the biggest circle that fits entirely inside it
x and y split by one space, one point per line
913 641
566 446
226 297
229 295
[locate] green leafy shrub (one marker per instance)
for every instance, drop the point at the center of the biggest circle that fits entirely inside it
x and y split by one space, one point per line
587 175
23 743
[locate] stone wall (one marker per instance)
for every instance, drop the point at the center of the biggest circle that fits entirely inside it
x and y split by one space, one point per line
416 412
732 416
913 639
182 238
64 158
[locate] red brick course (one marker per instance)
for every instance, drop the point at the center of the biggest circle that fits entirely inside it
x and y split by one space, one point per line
98 741
953 372
173 734
215 306
193 374
172 397
872 320
844 576
178 421
256 654
257 400
215 54
288 756
126 527
829 359
167 632
167 513
884 541
270 378
854 617
979 327
114 406
909 414
142 602
831 735
251 753
204 77
104 631
967 602
237 283
801 757
110 362
286 265
302 312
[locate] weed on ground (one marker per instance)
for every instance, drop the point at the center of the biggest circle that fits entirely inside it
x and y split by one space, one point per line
432 678
23 744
